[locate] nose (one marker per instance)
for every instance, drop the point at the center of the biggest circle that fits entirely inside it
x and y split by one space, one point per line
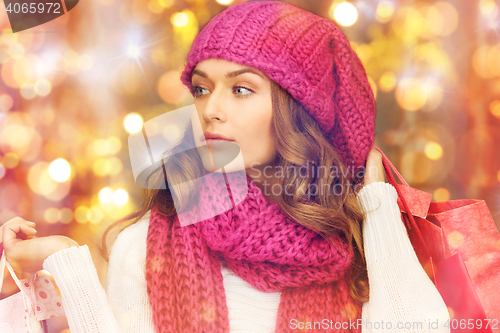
214 107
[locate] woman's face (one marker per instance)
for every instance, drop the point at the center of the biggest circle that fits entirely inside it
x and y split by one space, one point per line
234 101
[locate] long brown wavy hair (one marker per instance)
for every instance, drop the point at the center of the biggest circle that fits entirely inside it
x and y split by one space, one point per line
299 142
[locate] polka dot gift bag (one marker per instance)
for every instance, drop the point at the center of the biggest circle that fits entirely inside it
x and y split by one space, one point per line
26 311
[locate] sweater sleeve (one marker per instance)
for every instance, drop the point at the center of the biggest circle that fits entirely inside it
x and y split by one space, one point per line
122 305
402 296
84 300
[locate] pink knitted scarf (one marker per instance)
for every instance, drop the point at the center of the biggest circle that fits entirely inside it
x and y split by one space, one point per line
262 245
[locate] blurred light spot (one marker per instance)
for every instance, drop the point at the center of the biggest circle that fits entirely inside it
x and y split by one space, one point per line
495 108
390 137
449 15
410 95
224 2
433 19
433 94
100 147
133 51
19 136
71 62
170 87
415 168
171 132
455 239
166 3
133 123
101 167
4 56
184 35
10 160
113 145
47 116
41 182
485 61
141 13
488 8
106 195
155 7
60 170
387 81
51 215
441 194
120 197
498 175
345 14
6 102
114 212
28 91
115 166
385 11
179 19
23 71
66 215
106 3
128 80
3 170
43 87
85 62
16 50
492 23
8 68
433 150
81 214
95 215
41 69
410 24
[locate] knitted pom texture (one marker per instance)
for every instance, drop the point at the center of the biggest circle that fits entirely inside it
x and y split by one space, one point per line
307 55
260 244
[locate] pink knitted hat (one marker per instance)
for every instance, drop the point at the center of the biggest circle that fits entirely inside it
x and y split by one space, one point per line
307 55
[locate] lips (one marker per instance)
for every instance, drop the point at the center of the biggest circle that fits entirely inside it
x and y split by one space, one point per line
214 137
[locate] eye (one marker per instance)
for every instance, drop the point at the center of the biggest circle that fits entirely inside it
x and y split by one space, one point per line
196 90
239 88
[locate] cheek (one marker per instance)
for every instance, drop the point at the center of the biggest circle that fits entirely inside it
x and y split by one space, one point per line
257 138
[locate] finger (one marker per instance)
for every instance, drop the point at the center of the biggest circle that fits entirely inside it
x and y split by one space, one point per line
10 232
19 219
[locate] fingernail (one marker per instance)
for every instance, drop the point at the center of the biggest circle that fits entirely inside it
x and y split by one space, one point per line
33 229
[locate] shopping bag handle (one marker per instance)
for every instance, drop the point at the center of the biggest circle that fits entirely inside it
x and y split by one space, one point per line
410 221
27 302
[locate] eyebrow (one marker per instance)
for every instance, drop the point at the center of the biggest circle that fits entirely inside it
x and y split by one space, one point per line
228 74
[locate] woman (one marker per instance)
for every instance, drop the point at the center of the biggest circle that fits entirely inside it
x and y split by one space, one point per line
284 85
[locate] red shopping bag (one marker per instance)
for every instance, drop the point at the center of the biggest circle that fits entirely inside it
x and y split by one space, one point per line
445 236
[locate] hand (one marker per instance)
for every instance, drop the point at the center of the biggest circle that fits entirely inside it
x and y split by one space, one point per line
374 171
25 252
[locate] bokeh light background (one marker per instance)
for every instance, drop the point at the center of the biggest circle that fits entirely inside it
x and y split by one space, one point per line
73 89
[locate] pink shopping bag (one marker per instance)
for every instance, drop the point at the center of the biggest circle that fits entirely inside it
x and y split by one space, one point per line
27 310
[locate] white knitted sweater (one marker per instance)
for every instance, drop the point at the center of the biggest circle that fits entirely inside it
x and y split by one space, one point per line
401 294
